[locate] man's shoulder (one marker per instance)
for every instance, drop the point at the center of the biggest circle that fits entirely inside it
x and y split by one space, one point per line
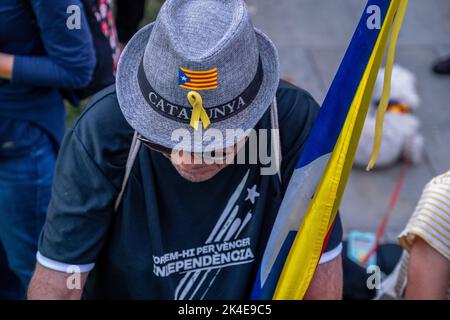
102 118
293 100
102 129
297 112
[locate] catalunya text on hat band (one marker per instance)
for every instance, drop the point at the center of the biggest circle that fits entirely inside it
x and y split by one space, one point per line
216 113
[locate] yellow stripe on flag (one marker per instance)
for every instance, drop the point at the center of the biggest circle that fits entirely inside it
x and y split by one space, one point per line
387 83
185 86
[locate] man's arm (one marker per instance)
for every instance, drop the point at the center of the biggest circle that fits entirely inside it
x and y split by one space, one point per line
6 65
47 284
327 282
70 58
428 273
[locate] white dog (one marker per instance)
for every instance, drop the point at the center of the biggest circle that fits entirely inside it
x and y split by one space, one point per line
401 137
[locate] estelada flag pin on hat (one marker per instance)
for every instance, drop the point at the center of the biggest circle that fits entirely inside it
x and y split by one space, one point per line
198 80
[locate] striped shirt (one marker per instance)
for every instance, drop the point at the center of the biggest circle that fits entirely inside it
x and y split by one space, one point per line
431 219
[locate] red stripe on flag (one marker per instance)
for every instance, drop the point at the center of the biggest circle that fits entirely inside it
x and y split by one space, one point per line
327 237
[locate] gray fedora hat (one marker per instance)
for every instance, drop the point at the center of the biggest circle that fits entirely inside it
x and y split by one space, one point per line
205 47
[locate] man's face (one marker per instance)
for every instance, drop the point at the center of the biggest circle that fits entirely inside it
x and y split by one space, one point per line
198 167
193 170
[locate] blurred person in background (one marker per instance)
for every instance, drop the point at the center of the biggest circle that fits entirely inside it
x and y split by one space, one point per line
129 15
427 240
39 54
442 66
423 272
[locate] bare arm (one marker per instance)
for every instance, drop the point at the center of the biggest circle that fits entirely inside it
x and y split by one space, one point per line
47 284
6 65
327 282
428 273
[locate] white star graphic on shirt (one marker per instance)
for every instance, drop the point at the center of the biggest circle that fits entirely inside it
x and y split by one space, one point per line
184 78
252 194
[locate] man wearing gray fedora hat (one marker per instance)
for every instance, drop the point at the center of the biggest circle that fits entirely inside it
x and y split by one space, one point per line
150 200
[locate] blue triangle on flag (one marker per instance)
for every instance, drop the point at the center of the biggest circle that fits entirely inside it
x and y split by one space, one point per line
182 78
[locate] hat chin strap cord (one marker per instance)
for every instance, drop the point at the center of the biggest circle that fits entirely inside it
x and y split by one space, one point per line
275 136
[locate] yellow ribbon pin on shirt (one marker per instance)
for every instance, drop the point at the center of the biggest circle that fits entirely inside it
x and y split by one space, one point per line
198 111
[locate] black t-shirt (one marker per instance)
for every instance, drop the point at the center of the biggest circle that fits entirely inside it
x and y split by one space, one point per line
170 238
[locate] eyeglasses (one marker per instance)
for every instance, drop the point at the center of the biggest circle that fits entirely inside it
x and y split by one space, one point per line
213 155
156 147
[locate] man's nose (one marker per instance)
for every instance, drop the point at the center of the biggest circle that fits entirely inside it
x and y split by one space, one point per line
187 160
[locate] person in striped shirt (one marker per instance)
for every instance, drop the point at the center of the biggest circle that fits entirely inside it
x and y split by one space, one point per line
427 240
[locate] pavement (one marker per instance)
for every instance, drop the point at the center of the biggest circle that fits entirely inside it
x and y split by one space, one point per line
312 35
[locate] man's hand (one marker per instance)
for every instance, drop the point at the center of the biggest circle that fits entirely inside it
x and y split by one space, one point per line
327 282
428 273
6 65
48 284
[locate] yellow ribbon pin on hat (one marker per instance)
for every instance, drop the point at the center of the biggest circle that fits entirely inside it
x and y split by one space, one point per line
198 111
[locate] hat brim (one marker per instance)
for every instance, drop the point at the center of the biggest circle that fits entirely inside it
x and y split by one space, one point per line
158 128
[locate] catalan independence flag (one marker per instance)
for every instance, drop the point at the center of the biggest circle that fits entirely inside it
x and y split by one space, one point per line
198 80
300 231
